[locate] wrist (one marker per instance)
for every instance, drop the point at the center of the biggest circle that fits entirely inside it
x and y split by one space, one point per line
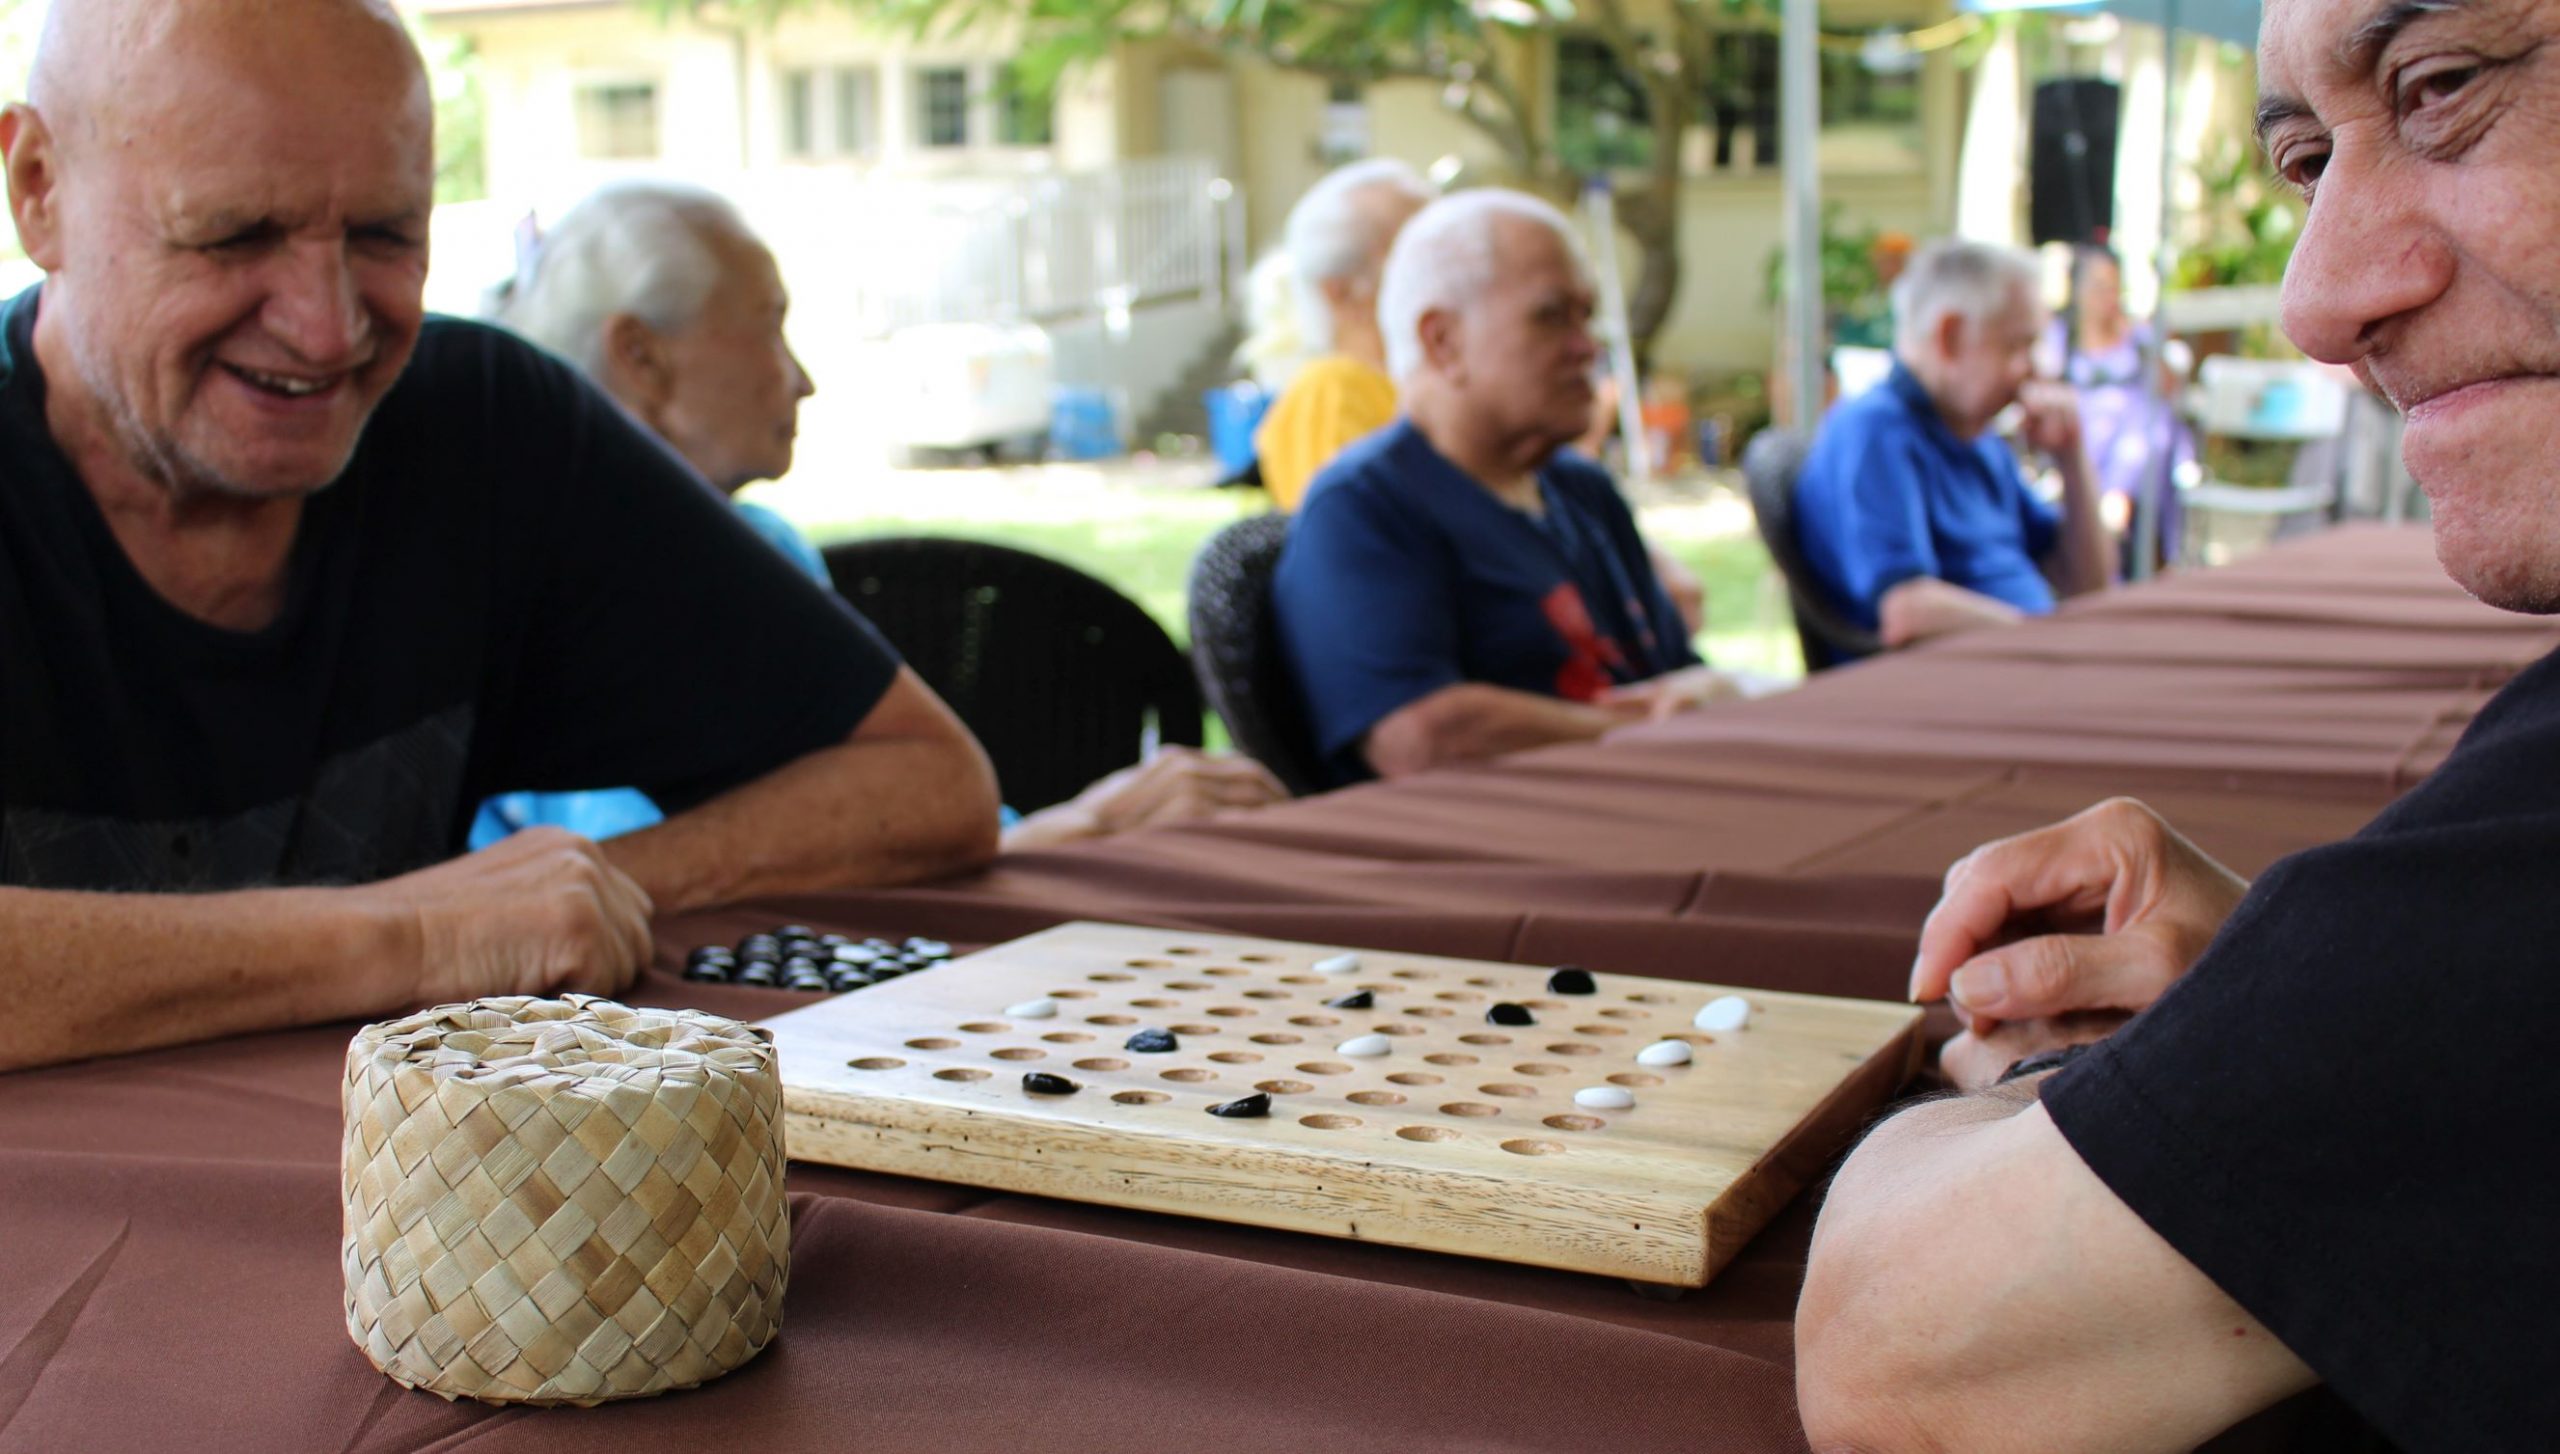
2043 1061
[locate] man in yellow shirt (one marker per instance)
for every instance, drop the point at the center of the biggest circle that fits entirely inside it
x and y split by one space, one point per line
1333 251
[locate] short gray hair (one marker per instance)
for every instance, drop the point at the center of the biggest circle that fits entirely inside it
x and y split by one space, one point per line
1977 281
1332 233
640 248
1446 257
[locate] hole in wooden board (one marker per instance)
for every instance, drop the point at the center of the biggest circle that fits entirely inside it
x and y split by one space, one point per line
1636 1078
1532 1148
931 1043
1195 1029
1301 979
1430 1012
1189 986
1154 1004
1330 1123
1394 1029
1461 997
1111 1019
1413 1077
1509 1089
1279 1037
1110 978
1484 1039
1283 1087
986 1027
1190 1074
1623 1013
1266 994
1449 1057
1235 1057
1232 1012
876 1062
1021 1052
1540 1067
1257 959
1481 981
1102 1062
1315 1020
1599 1029
1148 964
1470 1108
1575 1123
1649 998
1066 1037
1140 1098
1573 1047
1225 971
1427 1133
1185 949
1325 1067
1374 1098
960 1072
1413 974
1071 994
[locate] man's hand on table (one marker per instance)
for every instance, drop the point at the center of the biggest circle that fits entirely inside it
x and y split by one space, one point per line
540 912
1178 784
1659 698
2055 937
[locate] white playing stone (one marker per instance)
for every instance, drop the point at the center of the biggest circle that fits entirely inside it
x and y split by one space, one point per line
1664 1052
1604 1098
1039 1009
1366 1046
1731 1012
1339 964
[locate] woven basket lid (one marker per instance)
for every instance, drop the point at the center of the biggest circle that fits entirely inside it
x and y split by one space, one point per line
562 1201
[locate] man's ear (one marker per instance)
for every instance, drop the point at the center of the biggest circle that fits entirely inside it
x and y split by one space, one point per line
1949 334
35 178
636 368
1440 330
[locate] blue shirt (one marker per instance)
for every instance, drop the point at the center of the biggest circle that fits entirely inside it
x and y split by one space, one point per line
1403 576
1889 494
601 813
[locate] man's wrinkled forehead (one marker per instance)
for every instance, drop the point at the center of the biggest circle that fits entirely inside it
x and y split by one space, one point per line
2307 48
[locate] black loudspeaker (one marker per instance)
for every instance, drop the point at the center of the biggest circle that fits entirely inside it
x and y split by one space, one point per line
2071 172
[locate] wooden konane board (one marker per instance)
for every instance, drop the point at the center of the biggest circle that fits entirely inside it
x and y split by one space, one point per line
1464 1138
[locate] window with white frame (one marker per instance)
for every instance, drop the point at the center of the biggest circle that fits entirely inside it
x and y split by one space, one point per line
617 120
830 112
942 106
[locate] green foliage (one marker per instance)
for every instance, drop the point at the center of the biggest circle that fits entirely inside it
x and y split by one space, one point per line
2248 222
1851 287
462 127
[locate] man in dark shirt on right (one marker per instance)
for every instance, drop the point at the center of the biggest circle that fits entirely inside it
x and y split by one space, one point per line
2321 1150
1912 512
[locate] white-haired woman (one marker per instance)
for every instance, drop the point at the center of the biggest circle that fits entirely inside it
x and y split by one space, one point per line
1315 335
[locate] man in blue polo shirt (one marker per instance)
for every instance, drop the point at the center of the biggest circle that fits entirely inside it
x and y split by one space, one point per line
1916 519
1453 588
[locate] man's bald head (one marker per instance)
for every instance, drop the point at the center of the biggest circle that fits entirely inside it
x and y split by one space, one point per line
97 61
229 199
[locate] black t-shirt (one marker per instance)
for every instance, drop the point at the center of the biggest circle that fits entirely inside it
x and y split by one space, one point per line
2347 1114
512 586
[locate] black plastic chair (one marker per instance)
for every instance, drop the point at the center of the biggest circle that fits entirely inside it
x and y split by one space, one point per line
1235 648
1770 467
1060 676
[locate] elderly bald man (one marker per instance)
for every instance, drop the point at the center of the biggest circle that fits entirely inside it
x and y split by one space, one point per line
1455 588
2322 1150
291 576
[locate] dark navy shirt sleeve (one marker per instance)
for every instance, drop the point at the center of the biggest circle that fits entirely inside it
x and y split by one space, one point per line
1365 597
2344 1114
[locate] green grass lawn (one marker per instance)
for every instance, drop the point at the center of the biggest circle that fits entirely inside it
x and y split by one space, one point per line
1138 527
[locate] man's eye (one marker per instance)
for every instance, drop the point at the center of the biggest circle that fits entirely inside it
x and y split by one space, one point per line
2426 89
2302 168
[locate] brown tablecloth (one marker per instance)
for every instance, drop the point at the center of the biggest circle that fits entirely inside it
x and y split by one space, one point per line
169 1224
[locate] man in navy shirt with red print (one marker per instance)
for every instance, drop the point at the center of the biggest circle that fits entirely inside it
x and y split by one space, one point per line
1454 588
1911 512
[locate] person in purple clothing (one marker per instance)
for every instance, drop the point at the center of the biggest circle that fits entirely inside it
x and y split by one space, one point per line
2128 404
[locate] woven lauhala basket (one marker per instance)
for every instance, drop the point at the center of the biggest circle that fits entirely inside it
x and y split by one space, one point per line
562 1201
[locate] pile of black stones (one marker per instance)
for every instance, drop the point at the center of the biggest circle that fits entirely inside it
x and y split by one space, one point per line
797 957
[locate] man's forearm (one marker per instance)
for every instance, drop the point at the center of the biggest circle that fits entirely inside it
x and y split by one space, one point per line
856 814
1473 721
101 974
1925 607
2080 558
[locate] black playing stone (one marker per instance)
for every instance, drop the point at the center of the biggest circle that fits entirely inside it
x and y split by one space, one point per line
795 931
1148 1042
850 980
934 948
1507 1013
1042 1083
834 941
707 972
755 942
1571 979
1256 1104
799 964
759 975
813 984
1356 1000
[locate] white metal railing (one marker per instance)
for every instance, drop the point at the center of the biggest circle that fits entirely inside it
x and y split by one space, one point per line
1042 249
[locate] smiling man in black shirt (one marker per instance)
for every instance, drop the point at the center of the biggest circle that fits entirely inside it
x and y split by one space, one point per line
2322 1151
291 576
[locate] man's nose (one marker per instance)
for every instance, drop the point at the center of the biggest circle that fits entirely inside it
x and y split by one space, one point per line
2370 252
313 306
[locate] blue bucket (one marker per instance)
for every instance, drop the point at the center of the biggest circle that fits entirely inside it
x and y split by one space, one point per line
1234 413
1083 425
